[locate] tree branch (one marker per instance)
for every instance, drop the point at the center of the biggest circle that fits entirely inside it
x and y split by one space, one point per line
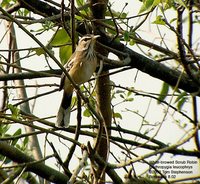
138 61
144 64
155 69
30 75
37 168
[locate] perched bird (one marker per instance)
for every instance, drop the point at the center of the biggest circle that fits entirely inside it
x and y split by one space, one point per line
81 65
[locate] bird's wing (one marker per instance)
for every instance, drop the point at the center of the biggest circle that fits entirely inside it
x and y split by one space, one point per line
68 67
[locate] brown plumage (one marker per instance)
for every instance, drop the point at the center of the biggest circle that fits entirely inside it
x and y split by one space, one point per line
81 65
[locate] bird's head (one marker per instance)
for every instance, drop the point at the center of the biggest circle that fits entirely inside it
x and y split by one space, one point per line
87 42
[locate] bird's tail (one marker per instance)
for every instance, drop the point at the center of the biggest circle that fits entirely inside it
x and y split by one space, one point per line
63 116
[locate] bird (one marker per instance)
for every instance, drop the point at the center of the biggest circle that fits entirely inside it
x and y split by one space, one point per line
80 66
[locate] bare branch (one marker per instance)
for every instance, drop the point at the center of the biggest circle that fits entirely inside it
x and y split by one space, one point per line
38 168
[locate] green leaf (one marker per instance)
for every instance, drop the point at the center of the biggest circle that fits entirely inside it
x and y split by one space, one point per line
148 5
23 12
181 99
80 2
77 17
163 93
117 115
131 42
60 38
129 93
111 23
174 19
181 103
182 3
86 113
126 36
167 4
4 129
159 20
39 51
123 15
25 142
65 53
18 132
130 99
182 95
14 110
5 3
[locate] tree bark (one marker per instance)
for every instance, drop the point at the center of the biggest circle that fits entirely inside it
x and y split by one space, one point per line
21 92
36 167
103 90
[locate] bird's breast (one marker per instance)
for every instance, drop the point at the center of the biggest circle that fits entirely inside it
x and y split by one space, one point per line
82 71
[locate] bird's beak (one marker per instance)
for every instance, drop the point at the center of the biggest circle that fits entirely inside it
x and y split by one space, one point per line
95 37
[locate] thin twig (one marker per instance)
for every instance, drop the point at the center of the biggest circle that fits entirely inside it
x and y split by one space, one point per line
191 134
80 166
77 133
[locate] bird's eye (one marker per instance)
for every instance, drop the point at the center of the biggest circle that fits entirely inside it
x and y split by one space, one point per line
86 39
